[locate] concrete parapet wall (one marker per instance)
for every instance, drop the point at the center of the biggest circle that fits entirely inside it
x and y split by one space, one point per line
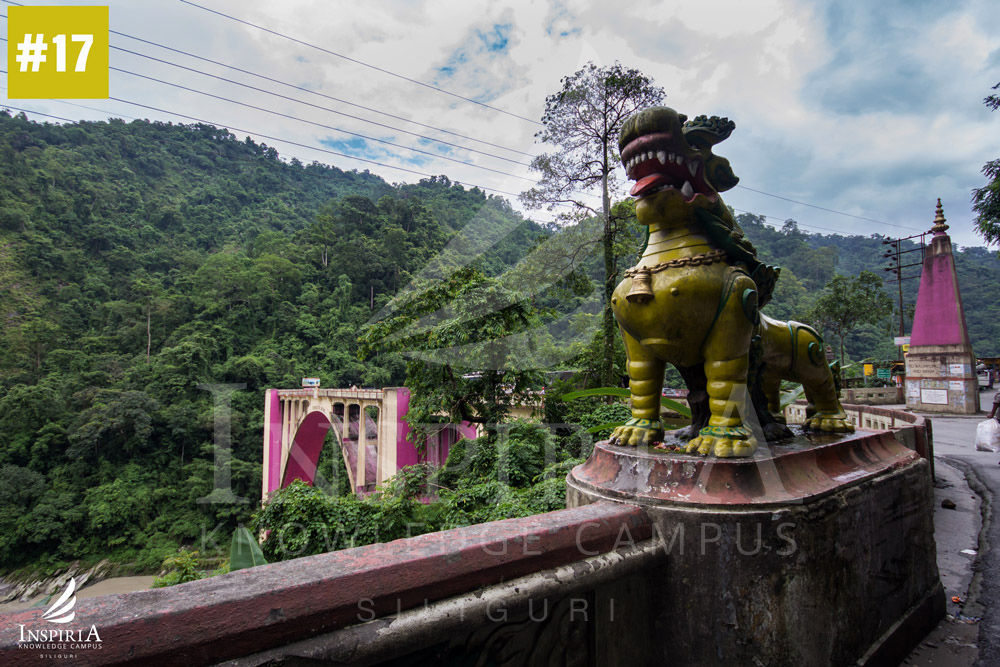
812 553
266 607
911 430
873 395
863 416
592 611
817 584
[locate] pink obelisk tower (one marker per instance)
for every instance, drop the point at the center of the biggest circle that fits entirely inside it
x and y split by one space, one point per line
940 365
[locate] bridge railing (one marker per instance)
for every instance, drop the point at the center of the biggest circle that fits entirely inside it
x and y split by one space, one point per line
356 394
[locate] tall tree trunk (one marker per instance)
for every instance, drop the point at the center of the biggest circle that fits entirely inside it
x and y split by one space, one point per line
149 334
608 362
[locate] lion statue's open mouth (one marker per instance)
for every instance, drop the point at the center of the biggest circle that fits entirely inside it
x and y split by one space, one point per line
661 150
656 163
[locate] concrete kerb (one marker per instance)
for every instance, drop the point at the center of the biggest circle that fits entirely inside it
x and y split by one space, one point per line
958 640
974 606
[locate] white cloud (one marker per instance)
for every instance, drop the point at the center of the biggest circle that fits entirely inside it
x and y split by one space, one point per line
874 110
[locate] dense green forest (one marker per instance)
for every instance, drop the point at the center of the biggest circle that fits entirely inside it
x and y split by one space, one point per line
143 263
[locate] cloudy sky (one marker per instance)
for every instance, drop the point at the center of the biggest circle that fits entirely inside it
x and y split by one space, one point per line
869 109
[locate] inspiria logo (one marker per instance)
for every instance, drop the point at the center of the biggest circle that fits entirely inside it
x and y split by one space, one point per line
63 640
62 610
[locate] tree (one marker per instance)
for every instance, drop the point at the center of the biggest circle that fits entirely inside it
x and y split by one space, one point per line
469 357
849 301
151 294
583 121
986 200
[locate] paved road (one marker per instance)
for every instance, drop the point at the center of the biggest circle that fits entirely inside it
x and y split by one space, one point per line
965 476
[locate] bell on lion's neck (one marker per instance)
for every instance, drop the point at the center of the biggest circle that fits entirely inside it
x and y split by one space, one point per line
642 290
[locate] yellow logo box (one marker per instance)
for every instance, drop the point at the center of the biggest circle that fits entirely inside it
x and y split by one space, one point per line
57 52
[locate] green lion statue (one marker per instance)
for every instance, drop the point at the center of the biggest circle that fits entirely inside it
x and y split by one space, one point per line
694 300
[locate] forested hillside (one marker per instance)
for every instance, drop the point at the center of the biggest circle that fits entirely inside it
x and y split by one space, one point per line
142 262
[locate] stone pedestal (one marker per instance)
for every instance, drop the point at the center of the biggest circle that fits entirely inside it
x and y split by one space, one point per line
817 553
942 379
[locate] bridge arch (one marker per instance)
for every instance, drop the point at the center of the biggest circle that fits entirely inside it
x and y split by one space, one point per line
350 439
367 424
306 448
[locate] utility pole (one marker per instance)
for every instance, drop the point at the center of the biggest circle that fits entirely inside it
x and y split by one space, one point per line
896 266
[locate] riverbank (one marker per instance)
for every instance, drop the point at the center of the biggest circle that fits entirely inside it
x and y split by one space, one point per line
104 587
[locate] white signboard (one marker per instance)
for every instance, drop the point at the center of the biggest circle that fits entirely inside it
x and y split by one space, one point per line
956 385
934 396
958 370
913 388
901 340
310 382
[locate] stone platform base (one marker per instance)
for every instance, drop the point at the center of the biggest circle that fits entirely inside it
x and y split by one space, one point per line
817 553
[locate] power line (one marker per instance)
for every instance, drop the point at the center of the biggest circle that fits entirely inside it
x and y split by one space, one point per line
800 224
359 62
68 120
301 145
322 108
38 113
307 90
329 127
838 232
772 217
828 210
82 106
312 92
265 136
323 125
293 143
237 129
279 139
801 203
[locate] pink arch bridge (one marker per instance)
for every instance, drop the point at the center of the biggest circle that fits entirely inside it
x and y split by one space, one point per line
367 425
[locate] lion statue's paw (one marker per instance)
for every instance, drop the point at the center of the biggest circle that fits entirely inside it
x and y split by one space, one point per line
723 441
637 433
829 422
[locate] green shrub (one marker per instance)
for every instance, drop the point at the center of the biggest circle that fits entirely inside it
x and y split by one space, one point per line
302 520
181 567
515 453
